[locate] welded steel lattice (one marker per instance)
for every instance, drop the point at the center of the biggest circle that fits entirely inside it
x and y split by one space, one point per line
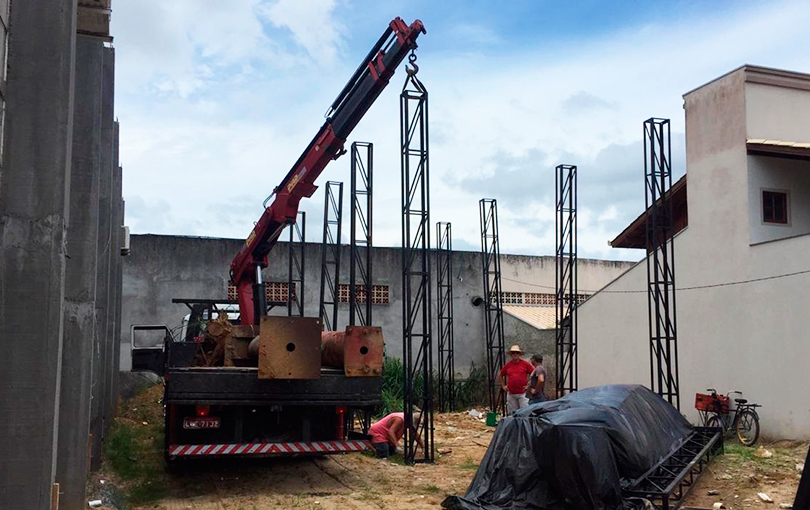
444 296
660 260
565 352
295 272
417 353
493 300
330 255
361 242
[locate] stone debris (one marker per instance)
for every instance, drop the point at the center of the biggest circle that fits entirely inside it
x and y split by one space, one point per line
475 413
712 492
764 497
800 467
718 505
785 505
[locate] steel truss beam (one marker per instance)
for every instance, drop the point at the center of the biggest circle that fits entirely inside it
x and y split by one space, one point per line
493 300
417 353
565 352
444 293
295 272
660 260
330 255
361 242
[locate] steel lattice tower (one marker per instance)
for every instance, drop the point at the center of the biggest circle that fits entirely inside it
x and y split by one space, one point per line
493 300
330 255
565 352
660 260
417 347
361 240
444 294
295 273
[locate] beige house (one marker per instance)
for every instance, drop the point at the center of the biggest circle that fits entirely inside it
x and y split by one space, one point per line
745 222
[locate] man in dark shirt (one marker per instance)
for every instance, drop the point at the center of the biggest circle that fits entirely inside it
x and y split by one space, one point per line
537 381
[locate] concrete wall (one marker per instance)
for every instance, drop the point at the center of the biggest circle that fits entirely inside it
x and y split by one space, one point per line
34 203
748 337
778 174
165 267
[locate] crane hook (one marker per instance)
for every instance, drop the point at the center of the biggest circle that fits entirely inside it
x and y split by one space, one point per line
412 60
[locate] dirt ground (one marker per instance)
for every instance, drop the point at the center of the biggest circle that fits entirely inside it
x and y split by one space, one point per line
134 476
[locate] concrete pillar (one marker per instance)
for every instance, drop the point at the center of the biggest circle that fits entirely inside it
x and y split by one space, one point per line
116 270
107 243
34 200
80 361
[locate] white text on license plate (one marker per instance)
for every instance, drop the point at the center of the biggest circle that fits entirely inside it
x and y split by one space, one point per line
208 422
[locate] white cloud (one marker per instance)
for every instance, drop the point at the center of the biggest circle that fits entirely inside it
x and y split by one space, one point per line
312 24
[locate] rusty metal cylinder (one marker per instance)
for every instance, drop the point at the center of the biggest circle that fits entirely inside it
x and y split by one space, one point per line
332 348
253 348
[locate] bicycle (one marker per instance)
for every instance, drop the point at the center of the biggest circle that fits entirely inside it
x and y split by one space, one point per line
715 411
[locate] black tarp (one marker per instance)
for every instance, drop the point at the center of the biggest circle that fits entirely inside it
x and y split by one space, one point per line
572 453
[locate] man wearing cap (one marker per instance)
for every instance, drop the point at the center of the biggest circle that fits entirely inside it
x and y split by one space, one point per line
517 372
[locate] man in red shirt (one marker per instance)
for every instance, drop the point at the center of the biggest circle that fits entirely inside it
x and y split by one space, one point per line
517 373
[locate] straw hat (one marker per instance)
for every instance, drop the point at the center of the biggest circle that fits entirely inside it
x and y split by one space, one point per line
515 348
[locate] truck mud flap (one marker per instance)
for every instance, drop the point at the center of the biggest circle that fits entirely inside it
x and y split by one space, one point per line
267 449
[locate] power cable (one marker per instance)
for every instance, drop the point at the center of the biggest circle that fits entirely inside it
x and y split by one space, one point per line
696 287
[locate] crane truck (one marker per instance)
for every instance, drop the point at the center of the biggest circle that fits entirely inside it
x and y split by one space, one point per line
241 382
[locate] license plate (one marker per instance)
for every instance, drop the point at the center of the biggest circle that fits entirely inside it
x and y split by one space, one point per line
208 422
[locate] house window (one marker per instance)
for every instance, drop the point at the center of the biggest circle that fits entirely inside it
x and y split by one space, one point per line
774 207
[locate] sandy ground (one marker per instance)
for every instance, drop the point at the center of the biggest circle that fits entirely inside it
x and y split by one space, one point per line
360 482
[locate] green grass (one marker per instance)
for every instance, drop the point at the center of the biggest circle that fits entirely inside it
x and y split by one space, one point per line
431 488
732 447
469 392
133 453
468 463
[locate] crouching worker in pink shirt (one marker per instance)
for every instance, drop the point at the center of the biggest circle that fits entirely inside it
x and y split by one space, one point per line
386 433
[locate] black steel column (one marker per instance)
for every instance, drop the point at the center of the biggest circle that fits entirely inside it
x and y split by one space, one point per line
295 274
416 290
360 248
565 352
660 260
444 294
330 255
493 300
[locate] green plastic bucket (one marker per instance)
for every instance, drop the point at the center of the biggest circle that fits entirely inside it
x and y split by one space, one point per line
492 419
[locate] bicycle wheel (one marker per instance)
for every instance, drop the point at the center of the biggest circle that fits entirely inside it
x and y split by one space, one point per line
716 422
747 427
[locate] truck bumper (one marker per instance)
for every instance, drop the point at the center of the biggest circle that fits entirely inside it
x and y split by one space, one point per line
267 449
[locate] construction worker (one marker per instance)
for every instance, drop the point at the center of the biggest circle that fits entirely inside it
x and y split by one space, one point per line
517 372
386 433
537 381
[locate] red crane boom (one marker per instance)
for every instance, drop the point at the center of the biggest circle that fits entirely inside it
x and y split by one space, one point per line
354 100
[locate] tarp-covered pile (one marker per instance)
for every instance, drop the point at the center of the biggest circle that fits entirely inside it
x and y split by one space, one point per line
573 452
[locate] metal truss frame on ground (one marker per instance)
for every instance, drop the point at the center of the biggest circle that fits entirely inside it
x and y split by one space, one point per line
493 300
565 347
660 261
361 239
330 255
296 258
668 482
417 350
444 295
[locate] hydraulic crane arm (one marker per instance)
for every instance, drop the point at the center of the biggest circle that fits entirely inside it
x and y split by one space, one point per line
351 104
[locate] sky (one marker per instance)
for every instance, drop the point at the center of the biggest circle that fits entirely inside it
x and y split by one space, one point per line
217 99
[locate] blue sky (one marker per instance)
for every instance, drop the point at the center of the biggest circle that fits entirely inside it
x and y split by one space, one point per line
217 99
